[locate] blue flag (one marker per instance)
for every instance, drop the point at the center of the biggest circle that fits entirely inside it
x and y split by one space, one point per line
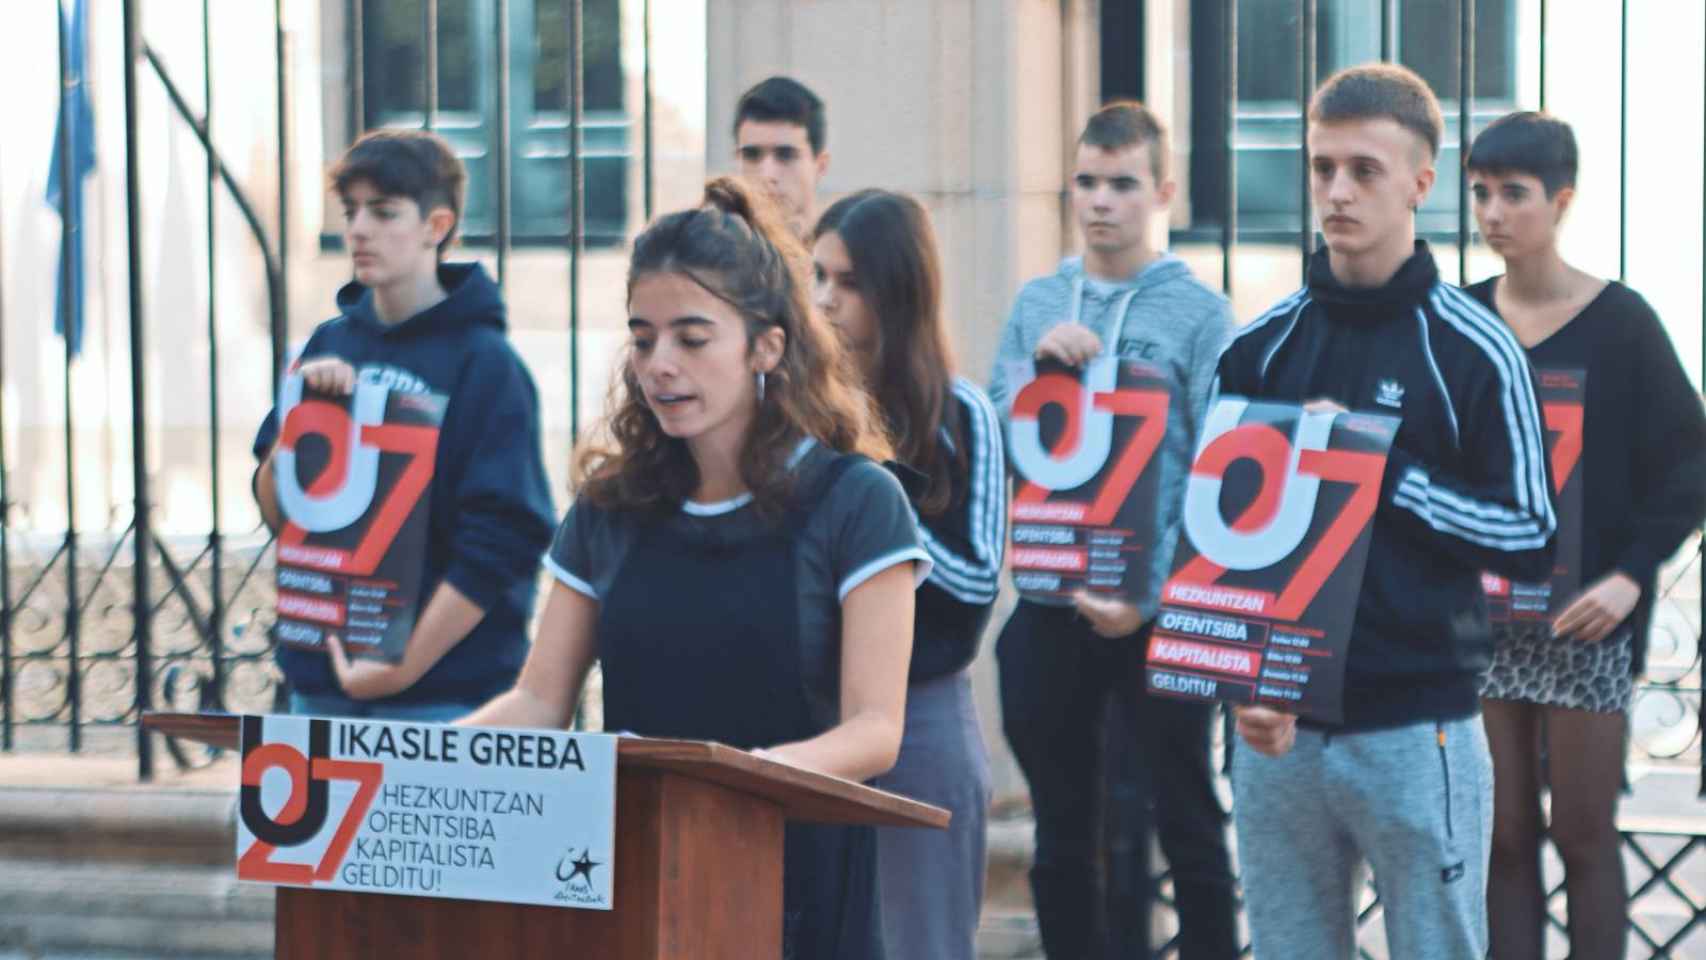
74 132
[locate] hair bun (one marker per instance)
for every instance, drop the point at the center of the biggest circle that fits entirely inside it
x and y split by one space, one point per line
732 197
741 200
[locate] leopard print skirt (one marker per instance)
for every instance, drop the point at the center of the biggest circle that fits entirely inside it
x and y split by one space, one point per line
1531 666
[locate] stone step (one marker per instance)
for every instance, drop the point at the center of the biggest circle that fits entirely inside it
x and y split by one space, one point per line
174 910
156 826
1008 935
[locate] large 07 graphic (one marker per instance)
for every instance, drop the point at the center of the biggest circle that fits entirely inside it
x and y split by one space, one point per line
1274 536
1272 530
1083 446
1563 394
353 475
345 494
303 817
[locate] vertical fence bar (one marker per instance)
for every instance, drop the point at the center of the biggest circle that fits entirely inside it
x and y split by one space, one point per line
1305 86
576 217
1699 713
143 540
215 538
501 154
1229 220
70 194
429 67
646 103
281 299
357 16
1465 123
1623 142
5 534
1389 30
1543 12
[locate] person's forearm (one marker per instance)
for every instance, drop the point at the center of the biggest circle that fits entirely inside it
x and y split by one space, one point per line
447 619
518 708
861 747
265 489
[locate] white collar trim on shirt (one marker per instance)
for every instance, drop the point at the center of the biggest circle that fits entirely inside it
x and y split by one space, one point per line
694 508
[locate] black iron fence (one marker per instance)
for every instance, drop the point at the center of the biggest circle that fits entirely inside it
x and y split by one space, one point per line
97 627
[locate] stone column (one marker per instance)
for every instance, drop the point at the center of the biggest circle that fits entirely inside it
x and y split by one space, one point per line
969 105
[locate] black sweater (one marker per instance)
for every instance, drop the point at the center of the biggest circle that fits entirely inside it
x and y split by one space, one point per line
965 543
1644 440
1466 486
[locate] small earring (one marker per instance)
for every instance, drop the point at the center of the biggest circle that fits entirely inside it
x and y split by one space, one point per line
761 387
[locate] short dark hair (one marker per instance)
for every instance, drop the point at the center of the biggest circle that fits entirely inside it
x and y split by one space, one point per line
1375 90
783 100
416 164
1127 123
1530 142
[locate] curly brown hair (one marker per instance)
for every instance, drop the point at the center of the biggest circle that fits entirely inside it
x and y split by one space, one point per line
736 247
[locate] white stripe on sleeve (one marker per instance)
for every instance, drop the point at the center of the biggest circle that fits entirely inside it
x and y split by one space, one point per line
920 573
568 579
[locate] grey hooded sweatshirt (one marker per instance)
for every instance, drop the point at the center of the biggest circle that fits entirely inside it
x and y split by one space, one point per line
1164 316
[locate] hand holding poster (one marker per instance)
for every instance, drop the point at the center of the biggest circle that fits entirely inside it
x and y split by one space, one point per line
354 474
1275 532
474 813
1082 445
1562 394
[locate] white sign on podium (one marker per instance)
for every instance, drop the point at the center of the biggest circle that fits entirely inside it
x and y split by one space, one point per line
425 809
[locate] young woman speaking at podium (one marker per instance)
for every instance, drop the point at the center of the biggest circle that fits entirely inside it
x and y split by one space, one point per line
734 558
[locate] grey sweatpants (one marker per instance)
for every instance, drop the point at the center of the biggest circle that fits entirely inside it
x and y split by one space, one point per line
1415 803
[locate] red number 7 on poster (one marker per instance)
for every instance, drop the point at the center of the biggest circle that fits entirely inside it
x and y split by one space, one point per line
1275 532
354 475
1082 444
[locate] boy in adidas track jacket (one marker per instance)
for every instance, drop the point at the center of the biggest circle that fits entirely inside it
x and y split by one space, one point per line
1405 784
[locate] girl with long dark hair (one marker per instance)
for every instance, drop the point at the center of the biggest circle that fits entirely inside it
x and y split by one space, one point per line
735 560
879 282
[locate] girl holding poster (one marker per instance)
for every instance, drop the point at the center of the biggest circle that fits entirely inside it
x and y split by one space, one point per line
878 281
1633 439
735 560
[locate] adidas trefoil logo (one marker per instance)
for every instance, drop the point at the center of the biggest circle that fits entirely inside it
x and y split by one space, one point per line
1389 393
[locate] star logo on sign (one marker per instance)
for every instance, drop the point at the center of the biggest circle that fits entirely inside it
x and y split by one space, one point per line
579 867
583 868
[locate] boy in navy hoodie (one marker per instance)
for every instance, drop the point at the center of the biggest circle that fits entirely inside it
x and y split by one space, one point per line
417 324
1405 783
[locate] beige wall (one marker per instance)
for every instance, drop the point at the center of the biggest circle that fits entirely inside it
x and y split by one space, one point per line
966 104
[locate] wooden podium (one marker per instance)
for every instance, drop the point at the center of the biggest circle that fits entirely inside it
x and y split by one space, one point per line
698 854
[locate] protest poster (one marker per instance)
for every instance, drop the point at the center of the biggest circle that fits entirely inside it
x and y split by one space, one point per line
1273 540
354 478
1562 395
422 809
1082 445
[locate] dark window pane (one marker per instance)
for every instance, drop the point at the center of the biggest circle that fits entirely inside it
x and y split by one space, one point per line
601 45
1267 46
1429 41
394 48
392 57
458 64
1267 50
